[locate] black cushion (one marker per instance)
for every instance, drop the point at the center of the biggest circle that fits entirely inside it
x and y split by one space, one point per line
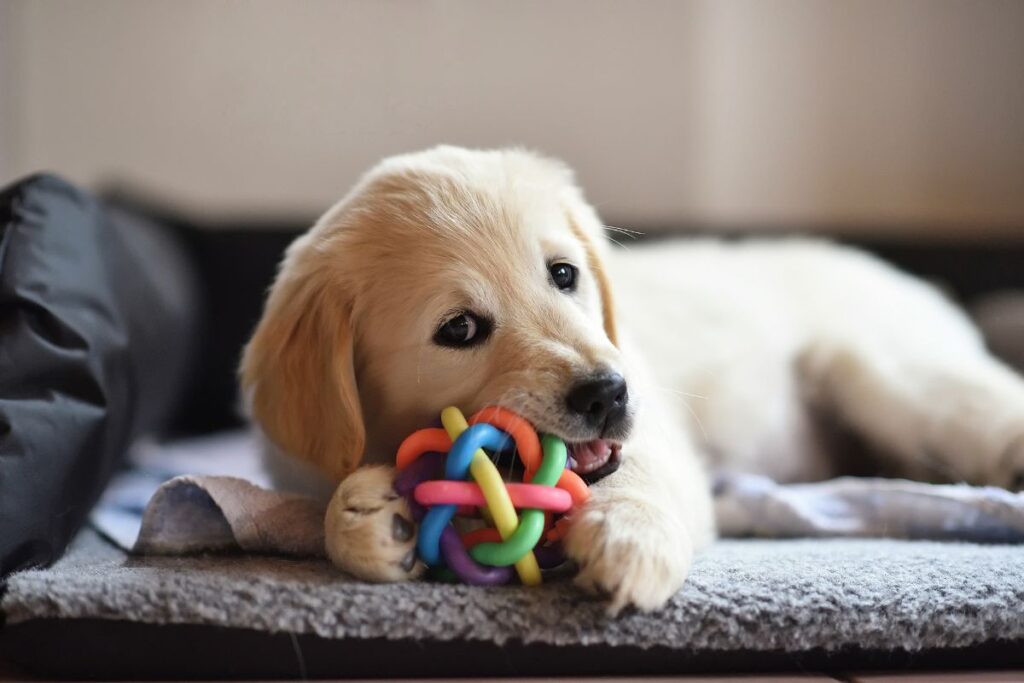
97 325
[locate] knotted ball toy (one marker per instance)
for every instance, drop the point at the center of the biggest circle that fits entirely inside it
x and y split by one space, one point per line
523 532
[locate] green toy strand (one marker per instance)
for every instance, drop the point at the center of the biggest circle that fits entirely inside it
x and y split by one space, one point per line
531 521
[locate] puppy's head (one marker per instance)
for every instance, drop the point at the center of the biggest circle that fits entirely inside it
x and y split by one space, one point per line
447 277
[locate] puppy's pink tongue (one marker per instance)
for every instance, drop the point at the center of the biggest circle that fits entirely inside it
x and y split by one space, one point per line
591 455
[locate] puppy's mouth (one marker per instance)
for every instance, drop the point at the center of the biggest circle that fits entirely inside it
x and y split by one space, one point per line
594 460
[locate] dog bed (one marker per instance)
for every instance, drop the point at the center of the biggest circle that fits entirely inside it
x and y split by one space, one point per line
748 603
822 603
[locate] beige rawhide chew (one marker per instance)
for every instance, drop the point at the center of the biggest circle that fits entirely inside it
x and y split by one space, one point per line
191 514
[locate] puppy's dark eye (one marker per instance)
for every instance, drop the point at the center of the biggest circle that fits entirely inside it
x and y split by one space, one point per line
563 275
464 330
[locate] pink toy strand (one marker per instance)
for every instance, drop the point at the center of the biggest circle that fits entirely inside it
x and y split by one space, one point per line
443 492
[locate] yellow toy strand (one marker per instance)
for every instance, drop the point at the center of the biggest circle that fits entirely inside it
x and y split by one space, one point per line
491 484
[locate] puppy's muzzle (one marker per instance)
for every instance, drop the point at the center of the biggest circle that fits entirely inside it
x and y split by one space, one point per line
600 402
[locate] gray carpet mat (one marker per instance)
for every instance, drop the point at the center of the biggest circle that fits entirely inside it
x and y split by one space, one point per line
792 595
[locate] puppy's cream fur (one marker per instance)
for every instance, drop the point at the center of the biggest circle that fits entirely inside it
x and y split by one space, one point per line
731 352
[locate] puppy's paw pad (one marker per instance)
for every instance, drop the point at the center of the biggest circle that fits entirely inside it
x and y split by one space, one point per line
402 529
369 530
409 561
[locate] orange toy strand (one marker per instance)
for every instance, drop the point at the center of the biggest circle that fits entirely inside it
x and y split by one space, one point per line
527 443
434 439
558 531
577 488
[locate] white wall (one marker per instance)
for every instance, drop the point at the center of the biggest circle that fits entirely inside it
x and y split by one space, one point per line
725 112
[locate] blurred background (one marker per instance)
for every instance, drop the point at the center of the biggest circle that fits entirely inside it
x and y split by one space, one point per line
896 125
850 118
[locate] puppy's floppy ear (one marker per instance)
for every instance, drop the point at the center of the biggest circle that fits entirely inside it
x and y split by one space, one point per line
297 371
588 230
597 266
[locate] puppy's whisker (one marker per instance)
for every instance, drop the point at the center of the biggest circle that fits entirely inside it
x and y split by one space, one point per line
623 229
512 462
625 234
633 234
696 419
680 393
615 241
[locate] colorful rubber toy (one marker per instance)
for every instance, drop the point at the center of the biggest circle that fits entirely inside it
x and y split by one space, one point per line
524 534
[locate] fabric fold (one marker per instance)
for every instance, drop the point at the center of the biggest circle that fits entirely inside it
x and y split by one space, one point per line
191 514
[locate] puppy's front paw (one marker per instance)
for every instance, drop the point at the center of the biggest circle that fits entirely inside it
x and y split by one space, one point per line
368 530
629 550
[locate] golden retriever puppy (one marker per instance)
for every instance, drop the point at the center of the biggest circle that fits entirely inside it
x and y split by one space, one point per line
471 278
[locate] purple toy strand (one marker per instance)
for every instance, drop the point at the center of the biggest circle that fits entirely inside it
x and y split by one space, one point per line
427 466
465 567
549 556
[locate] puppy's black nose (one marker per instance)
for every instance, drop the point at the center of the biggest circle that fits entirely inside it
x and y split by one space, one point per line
601 400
